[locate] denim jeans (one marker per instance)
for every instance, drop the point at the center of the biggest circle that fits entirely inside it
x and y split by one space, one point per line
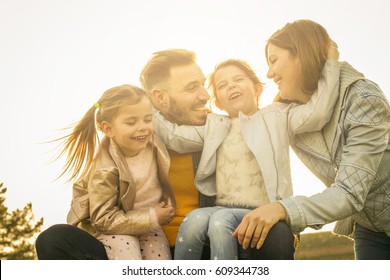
66 242
215 223
371 245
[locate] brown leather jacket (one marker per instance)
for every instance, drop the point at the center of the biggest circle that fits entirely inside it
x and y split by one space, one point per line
103 200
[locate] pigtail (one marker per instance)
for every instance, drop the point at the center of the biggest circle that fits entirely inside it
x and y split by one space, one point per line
80 146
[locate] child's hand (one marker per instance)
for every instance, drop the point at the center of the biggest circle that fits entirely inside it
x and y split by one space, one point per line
333 52
164 213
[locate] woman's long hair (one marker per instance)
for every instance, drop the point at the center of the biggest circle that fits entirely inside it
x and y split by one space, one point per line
308 41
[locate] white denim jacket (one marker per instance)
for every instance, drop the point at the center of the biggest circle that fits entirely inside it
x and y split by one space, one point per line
351 155
266 133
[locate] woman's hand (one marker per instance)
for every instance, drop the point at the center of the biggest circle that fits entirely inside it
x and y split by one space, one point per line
333 52
255 225
164 213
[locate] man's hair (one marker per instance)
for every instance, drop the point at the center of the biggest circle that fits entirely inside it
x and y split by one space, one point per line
157 71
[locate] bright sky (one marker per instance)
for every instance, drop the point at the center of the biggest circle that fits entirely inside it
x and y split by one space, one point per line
58 56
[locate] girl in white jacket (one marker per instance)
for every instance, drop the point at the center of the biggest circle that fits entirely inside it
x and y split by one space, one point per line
245 158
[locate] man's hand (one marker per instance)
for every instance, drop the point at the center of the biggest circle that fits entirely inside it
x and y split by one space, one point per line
255 225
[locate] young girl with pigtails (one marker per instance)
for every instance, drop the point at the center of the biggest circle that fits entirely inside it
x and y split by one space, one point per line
121 193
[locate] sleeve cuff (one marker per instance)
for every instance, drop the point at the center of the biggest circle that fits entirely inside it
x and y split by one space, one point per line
295 217
154 225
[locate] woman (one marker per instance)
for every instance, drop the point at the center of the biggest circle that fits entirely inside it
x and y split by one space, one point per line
350 154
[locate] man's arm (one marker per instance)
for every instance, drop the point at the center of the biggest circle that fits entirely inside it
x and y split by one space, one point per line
179 138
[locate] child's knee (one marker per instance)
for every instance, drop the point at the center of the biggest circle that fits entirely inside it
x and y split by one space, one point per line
196 220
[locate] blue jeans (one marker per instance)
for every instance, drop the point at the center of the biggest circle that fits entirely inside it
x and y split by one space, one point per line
214 223
371 245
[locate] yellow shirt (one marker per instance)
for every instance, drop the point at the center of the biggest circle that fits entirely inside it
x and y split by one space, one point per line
181 175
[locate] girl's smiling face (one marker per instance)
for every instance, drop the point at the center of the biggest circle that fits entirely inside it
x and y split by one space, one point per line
235 91
132 127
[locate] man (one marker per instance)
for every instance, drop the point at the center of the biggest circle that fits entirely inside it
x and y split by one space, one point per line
175 84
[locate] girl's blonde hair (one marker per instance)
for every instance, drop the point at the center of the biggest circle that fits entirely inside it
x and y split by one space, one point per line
244 66
308 41
81 144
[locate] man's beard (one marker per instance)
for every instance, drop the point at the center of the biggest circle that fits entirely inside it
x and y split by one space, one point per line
180 115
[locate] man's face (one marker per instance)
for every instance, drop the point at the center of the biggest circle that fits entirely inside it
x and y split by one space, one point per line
187 96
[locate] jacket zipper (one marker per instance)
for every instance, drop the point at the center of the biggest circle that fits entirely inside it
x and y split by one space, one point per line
309 151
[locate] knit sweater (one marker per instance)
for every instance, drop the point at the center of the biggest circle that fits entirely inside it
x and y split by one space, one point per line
238 175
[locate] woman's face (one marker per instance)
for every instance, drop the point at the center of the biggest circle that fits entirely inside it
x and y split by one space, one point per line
286 71
235 91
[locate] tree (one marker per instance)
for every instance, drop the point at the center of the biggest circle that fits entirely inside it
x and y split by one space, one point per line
17 231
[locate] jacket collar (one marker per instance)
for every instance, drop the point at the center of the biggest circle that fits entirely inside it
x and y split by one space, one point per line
348 76
321 142
120 161
111 155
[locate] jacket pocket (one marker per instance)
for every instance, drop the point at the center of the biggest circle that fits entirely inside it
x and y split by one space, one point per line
79 210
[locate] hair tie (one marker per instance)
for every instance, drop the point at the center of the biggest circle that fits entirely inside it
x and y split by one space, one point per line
96 105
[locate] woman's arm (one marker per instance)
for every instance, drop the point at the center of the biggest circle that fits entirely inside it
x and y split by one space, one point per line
313 115
180 138
367 138
366 130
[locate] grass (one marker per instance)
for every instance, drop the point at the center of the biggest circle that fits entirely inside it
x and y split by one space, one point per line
324 246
